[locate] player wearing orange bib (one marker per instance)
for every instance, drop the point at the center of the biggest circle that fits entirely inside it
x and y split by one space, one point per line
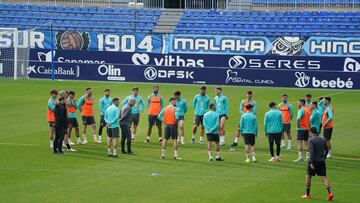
303 126
51 115
86 107
308 102
156 104
287 111
328 123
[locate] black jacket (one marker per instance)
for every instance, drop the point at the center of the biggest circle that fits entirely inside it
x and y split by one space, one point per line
60 115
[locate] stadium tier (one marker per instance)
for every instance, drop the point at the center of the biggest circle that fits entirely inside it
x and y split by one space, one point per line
305 2
96 19
260 23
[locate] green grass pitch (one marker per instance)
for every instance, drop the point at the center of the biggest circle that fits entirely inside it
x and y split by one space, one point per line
30 173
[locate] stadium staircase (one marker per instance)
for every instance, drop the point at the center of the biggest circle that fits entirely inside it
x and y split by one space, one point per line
168 21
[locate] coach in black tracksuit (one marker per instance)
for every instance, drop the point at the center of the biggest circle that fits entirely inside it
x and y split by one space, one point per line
60 125
125 124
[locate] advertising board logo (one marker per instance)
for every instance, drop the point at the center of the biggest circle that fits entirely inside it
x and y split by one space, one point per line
237 62
140 59
232 76
351 65
302 79
111 72
72 40
58 70
45 57
287 46
150 73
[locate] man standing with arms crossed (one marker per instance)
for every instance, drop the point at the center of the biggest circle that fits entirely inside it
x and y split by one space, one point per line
71 106
327 123
222 108
315 118
181 109
248 128
111 118
211 124
287 111
201 104
125 124
135 110
169 116
303 125
273 126
87 112
156 104
104 103
243 110
51 116
316 164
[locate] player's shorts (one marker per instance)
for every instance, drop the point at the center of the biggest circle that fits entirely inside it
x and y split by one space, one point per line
249 139
73 122
274 137
328 133
113 132
52 124
319 170
153 119
88 120
287 127
302 135
102 121
213 137
198 120
171 131
181 118
221 116
135 118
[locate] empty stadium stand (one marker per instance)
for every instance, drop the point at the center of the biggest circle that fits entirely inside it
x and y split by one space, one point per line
262 23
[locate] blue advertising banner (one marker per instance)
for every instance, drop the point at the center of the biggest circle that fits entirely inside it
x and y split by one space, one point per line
193 75
266 62
186 44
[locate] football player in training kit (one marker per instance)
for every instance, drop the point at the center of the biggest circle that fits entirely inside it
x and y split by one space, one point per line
111 117
201 103
169 116
328 123
136 110
51 116
222 108
155 103
211 124
243 110
71 106
181 109
303 125
104 103
315 118
248 128
87 112
287 111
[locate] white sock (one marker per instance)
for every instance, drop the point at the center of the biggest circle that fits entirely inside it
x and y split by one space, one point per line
114 152
201 138
51 143
210 154
79 139
300 155
193 136
133 136
160 138
277 157
217 155
175 153
100 138
84 135
289 142
329 152
253 155
94 135
109 151
307 155
247 156
236 140
182 139
282 141
162 152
